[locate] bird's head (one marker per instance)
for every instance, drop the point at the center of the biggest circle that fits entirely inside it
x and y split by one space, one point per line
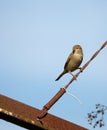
77 49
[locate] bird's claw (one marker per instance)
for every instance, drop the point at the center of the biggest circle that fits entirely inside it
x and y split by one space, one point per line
80 68
74 76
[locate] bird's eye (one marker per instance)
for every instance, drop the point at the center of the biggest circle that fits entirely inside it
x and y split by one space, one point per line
73 51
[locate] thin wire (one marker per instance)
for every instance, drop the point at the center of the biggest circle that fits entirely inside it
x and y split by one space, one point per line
75 97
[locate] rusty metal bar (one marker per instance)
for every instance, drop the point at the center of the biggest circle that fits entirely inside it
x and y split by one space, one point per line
25 116
50 103
63 90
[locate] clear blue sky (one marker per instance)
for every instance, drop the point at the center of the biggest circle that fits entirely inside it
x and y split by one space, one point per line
36 38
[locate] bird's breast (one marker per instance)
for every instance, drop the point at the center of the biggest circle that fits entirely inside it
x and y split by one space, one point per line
78 57
75 62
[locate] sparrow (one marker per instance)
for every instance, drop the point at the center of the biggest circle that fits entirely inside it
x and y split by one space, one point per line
73 62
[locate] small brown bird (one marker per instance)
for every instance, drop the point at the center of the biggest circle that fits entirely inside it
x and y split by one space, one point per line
73 62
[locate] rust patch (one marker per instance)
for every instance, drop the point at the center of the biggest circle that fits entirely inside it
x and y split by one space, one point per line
25 116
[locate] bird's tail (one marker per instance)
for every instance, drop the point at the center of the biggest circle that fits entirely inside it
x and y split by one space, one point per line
64 72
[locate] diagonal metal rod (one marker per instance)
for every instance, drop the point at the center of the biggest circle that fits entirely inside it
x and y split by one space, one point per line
63 90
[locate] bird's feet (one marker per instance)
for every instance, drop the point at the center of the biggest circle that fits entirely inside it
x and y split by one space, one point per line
80 69
74 76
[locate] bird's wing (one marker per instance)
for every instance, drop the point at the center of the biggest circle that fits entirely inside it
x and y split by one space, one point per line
69 57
